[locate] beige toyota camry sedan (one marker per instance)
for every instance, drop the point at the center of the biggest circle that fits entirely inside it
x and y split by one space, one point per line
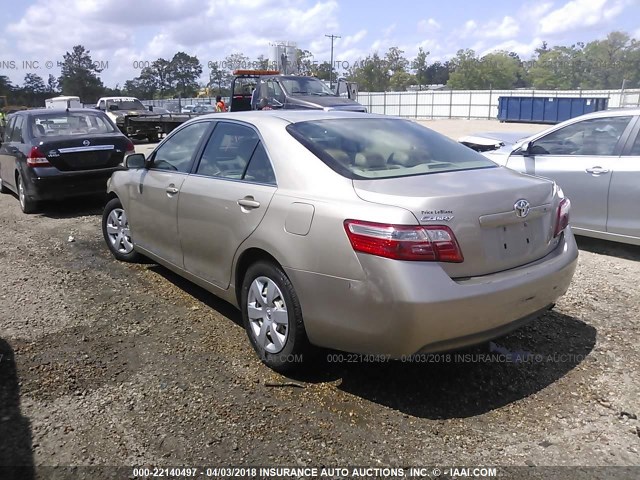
357 232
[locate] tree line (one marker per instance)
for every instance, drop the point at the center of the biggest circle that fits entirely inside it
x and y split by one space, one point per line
600 64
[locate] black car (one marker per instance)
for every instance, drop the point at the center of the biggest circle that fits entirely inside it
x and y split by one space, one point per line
50 154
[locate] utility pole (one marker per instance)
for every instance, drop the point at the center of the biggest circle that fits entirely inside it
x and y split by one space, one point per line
332 37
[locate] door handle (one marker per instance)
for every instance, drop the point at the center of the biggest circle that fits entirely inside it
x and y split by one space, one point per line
596 170
248 203
171 190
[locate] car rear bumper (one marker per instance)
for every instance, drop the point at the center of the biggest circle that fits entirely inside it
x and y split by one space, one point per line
403 308
53 185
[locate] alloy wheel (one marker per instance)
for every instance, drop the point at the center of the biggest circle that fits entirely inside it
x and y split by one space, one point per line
118 231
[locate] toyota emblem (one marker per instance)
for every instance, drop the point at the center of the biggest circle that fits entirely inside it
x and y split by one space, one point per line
86 143
522 208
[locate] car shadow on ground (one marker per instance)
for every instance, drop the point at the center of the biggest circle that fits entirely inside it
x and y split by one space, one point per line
468 382
606 247
16 457
73 207
199 293
448 385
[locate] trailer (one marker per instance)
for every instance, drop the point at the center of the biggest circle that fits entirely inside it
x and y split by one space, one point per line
159 124
63 102
137 121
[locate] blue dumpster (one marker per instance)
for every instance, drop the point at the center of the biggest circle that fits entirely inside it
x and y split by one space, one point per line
547 109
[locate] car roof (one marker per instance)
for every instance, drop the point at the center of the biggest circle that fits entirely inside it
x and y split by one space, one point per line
292 116
38 111
613 112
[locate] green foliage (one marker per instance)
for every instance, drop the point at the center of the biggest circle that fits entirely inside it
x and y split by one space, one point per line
371 74
324 71
420 67
79 75
185 72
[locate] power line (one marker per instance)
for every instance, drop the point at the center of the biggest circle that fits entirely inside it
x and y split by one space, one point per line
332 37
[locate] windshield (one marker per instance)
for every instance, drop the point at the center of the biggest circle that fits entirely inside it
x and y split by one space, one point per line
128 104
364 148
305 86
71 123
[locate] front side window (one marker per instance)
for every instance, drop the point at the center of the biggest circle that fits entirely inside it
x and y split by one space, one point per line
596 136
176 153
228 151
273 92
363 148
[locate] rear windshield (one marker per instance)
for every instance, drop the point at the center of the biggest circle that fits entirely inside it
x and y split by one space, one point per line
364 148
129 104
69 123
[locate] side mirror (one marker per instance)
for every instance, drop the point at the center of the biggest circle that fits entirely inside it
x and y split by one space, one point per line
150 108
525 149
135 161
113 108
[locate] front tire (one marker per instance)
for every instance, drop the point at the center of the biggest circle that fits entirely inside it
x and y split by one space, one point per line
273 317
116 232
27 204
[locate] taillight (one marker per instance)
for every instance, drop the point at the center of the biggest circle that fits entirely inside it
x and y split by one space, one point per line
37 159
562 218
131 148
427 243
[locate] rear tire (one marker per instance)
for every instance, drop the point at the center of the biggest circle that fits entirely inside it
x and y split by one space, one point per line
272 317
27 204
115 229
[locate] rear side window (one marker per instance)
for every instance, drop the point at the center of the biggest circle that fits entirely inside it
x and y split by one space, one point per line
635 150
368 148
9 129
259 169
16 133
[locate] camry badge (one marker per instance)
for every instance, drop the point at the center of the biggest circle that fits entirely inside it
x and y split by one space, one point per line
436 215
53 153
521 208
86 143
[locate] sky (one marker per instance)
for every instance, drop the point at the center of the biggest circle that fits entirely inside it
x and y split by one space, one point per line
125 35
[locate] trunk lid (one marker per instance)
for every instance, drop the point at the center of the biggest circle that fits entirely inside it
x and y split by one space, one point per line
479 206
78 152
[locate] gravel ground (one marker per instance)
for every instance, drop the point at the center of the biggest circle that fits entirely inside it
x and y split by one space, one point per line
106 363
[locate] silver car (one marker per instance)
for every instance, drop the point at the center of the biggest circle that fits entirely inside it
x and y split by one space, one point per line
357 232
595 158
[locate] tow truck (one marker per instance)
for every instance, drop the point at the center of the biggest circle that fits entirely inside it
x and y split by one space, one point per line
268 90
137 121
